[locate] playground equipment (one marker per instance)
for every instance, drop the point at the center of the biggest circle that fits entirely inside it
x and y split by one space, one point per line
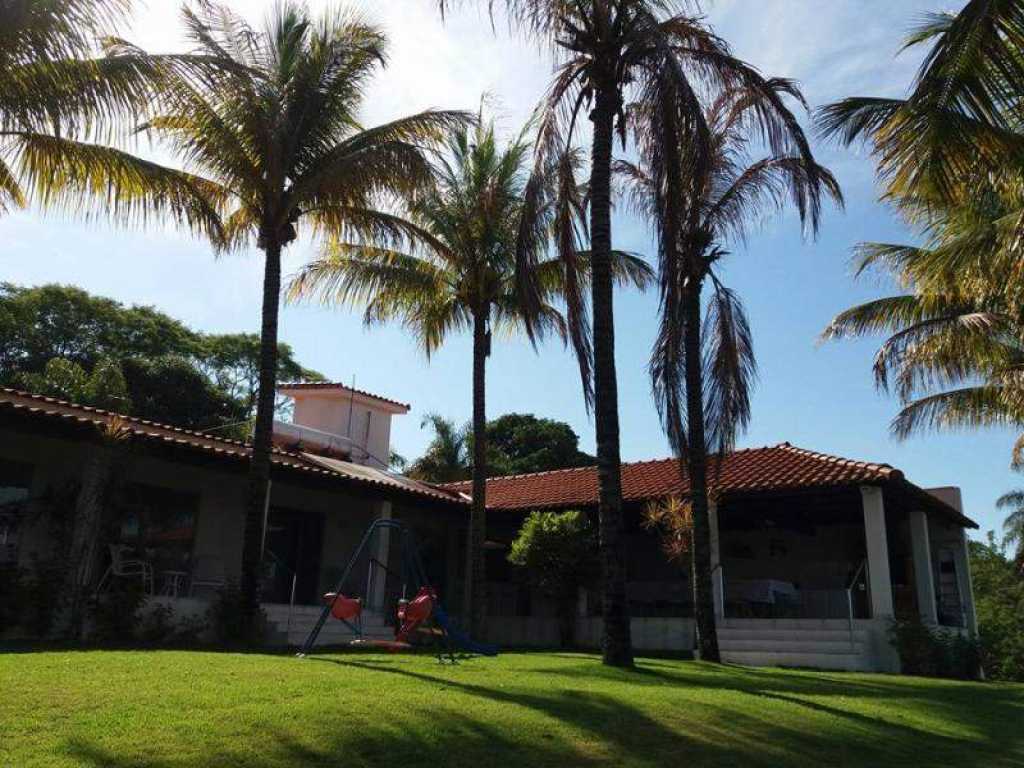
422 615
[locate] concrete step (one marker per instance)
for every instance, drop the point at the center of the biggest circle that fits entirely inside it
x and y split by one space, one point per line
791 646
840 661
786 624
802 635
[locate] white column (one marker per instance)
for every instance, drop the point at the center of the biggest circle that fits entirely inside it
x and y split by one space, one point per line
966 584
924 579
716 561
381 552
879 580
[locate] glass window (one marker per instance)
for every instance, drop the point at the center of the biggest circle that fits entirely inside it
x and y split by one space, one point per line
15 485
159 525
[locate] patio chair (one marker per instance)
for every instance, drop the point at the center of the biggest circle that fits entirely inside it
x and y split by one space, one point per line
126 568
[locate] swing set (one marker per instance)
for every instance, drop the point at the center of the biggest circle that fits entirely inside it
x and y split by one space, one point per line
423 615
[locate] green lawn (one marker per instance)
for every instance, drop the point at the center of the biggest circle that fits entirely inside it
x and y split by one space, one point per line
164 709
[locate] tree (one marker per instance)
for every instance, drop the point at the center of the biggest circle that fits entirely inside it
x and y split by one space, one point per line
447 458
61 103
104 388
999 603
612 54
172 373
232 361
98 474
558 551
521 443
275 142
464 276
1013 525
949 158
700 195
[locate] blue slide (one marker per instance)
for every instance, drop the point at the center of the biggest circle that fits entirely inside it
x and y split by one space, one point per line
460 638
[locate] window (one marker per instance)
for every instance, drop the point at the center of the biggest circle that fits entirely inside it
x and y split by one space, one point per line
159 525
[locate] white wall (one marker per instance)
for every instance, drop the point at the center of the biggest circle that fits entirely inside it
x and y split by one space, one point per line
370 426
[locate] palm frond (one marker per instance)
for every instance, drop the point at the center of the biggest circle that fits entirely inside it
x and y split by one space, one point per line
91 179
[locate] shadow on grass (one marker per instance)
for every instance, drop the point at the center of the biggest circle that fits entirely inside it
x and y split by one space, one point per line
704 715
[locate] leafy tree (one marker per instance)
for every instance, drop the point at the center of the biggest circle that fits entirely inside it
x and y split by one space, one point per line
517 443
613 54
40 323
521 443
233 363
172 390
172 373
275 142
558 550
105 387
999 603
447 458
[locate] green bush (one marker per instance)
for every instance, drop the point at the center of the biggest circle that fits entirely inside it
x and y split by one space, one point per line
934 652
114 617
225 619
558 550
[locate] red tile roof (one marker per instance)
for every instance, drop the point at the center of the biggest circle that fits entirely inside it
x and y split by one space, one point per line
59 411
313 385
781 467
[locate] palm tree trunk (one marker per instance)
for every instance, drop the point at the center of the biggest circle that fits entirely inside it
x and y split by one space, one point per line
259 465
476 573
616 643
85 531
696 461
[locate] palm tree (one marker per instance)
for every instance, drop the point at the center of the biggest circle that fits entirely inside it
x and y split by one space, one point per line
961 116
447 458
699 197
275 141
464 276
61 103
1013 525
610 53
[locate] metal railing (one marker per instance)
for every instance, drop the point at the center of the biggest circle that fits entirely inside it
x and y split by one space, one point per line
849 596
720 596
291 596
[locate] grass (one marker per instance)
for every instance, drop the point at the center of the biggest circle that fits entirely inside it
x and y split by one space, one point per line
175 709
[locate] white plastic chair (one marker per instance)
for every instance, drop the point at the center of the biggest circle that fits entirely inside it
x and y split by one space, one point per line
126 568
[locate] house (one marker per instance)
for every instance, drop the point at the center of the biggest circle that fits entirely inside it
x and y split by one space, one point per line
812 554
180 501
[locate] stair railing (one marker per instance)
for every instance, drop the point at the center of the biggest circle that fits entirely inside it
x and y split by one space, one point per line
291 596
720 597
849 597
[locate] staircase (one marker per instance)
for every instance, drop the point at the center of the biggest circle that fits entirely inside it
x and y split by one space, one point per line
819 643
333 632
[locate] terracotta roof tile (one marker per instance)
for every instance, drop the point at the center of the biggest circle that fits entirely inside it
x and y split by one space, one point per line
50 409
773 468
313 385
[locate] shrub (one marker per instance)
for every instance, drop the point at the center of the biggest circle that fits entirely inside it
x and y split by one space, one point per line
934 652
999 597
225 619
114 617
559 552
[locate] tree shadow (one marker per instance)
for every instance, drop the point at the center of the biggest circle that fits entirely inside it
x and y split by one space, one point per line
703 715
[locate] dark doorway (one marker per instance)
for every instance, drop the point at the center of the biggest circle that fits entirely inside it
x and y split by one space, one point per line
293 544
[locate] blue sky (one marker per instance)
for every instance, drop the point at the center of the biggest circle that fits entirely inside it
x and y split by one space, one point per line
818 397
